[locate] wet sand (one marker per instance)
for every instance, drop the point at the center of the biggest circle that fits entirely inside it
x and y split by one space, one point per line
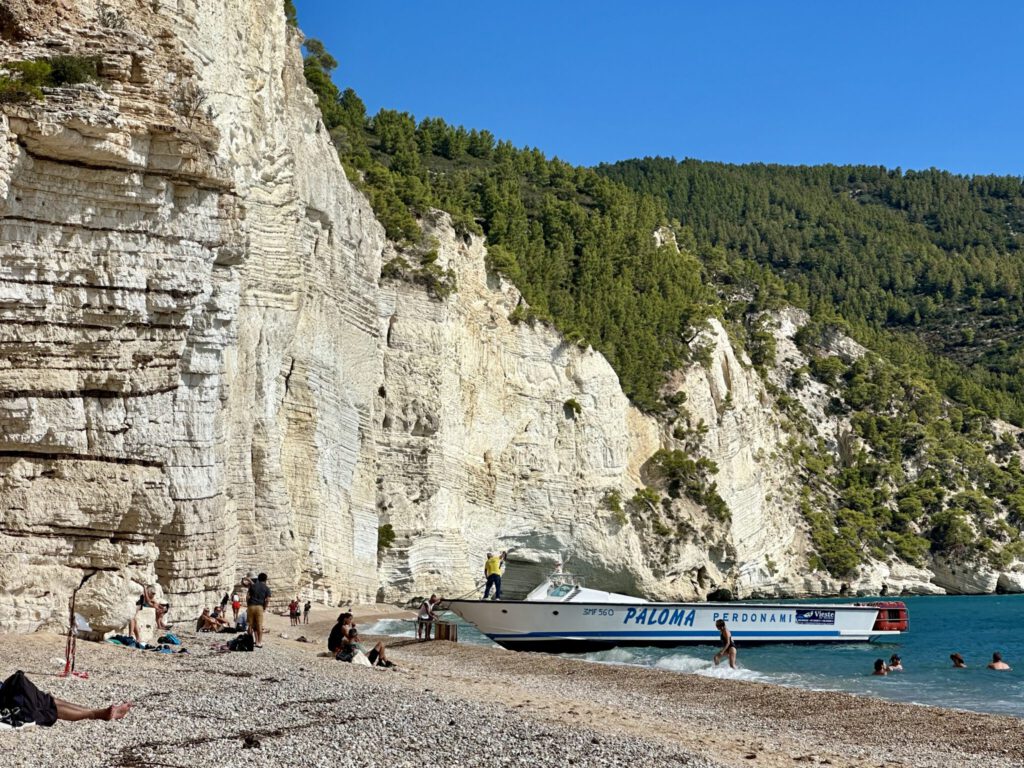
285 706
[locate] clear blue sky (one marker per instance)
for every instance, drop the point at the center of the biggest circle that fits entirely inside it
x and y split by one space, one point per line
914 84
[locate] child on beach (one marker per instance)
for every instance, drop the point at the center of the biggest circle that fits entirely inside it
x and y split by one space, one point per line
728 646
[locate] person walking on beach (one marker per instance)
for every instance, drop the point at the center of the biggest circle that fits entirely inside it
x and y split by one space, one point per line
997 662
256 603
305 612
425 617
728 646
492 572
958 661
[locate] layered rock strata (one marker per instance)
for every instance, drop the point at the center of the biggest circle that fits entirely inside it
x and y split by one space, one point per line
188 346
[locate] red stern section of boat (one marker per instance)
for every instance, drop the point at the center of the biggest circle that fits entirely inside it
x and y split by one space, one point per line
892 616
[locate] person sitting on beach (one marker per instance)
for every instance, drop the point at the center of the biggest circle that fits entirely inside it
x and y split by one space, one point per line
895 663
880 669
958 661
207 622
998 663
147 600
23 703
376 656
728 646
339 632
425 617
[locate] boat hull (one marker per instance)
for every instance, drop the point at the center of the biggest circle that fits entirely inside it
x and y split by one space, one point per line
559 627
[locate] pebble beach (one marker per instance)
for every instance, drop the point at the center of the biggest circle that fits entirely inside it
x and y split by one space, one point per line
460 705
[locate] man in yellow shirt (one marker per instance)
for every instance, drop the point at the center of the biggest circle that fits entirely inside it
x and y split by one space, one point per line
492 570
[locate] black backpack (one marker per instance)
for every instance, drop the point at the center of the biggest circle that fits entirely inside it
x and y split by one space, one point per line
241 643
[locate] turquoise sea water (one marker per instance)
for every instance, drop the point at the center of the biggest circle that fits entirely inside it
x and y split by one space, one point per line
972 626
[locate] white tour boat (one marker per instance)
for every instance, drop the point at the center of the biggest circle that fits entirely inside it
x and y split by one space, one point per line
562 616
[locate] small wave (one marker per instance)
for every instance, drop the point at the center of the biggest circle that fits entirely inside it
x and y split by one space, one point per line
683 663
391 628
724 672
613 656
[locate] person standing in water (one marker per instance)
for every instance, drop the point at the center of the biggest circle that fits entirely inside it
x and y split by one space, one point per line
880 669
728 646
958 661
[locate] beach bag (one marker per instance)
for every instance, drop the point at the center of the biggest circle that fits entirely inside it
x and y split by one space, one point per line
24 703
241 643
170 639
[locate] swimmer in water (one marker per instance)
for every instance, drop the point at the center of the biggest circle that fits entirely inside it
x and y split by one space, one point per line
958 661
728 646
998 663
880 669
895 663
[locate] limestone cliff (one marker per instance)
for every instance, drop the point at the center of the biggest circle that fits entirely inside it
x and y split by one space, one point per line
496 435
189 337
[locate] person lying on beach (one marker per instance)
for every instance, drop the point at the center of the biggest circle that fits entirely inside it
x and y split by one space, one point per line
895 663
728 646
24 703
958 661
880 669
998 663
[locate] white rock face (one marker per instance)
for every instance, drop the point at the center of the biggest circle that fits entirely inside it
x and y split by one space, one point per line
479 450
966 578
188 345
744 439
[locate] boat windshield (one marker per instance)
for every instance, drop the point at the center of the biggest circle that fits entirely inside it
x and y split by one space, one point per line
561 584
